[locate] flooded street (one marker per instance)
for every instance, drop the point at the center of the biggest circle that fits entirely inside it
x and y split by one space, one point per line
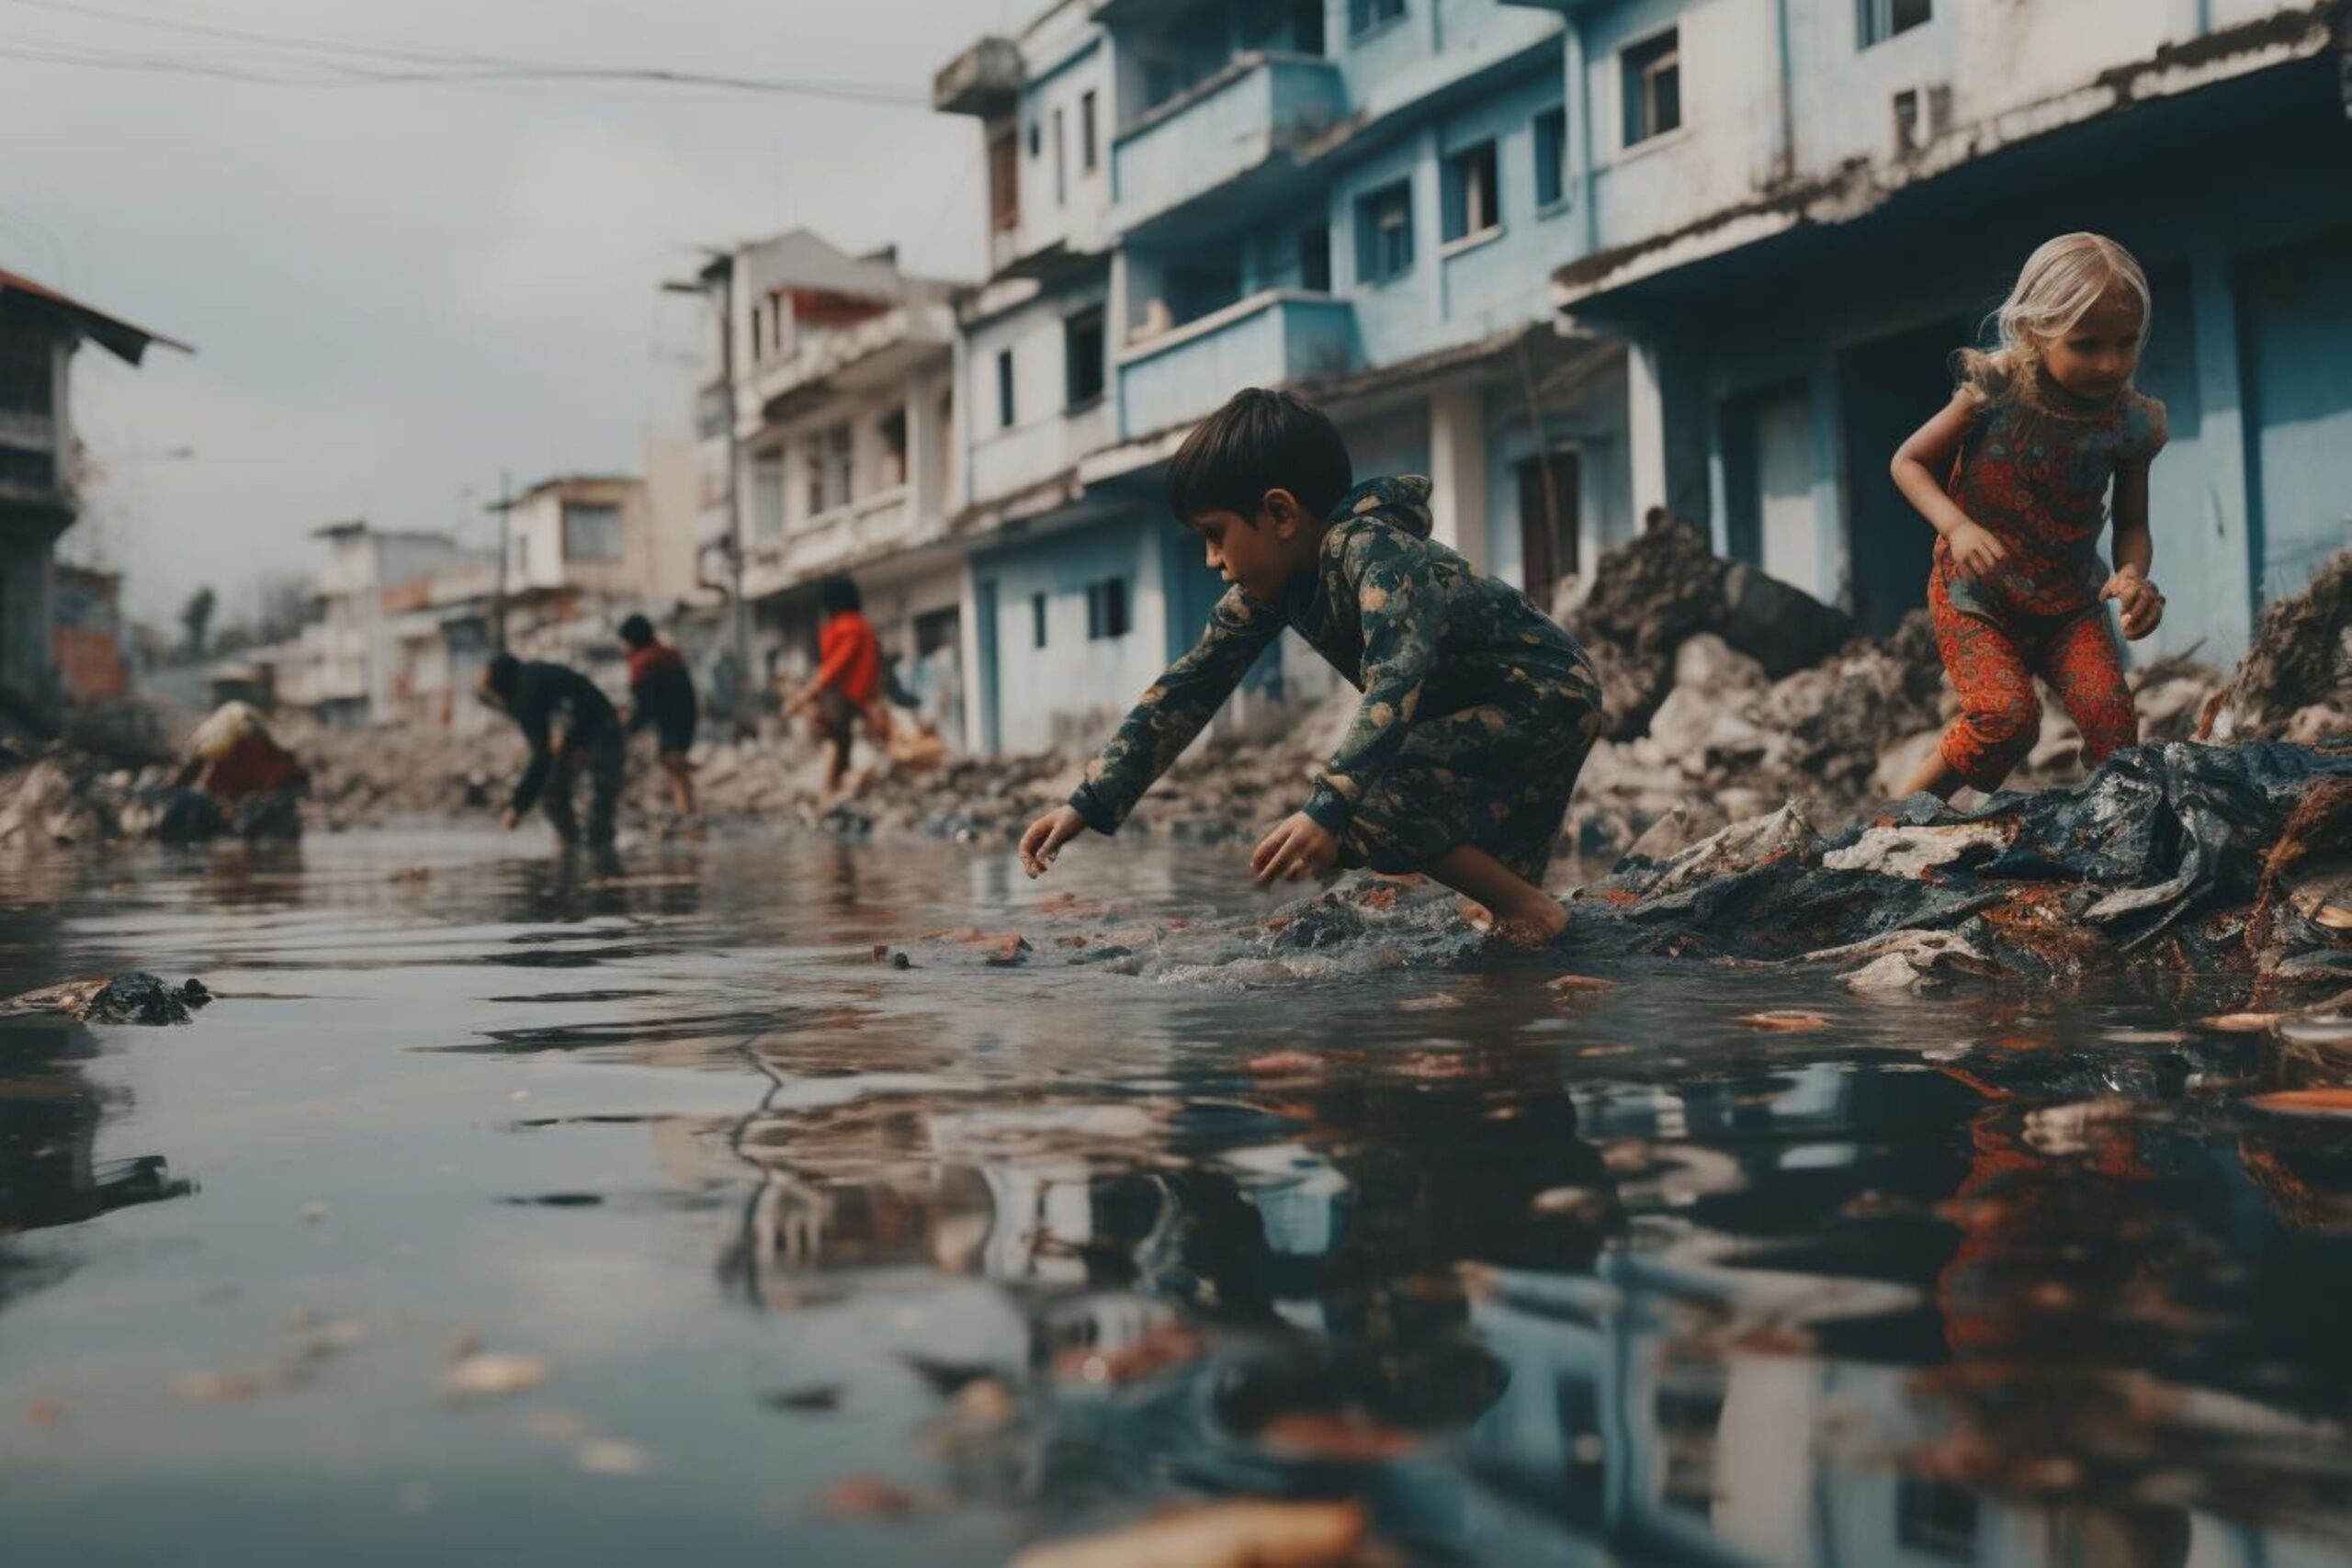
502 1206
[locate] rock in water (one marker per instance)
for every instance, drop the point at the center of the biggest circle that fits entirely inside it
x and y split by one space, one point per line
135 997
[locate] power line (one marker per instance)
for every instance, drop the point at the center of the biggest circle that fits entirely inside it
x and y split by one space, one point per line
415 65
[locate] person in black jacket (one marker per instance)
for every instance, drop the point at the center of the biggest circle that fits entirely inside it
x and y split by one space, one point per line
662 698
571 726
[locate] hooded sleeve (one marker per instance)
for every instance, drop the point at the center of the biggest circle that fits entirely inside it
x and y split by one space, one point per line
1173 709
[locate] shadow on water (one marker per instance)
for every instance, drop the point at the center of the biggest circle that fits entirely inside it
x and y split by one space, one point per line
1542 1276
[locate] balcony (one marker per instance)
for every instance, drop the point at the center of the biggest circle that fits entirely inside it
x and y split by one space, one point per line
1268 340
869 355
985 80
849 535
1230 142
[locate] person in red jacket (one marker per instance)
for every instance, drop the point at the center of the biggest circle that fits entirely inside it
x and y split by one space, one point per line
848 683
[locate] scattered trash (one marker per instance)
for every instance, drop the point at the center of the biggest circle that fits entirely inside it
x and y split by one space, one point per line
868 1497
816 1397
1784 1022
1218 1535
134 997
489 1374
609 1456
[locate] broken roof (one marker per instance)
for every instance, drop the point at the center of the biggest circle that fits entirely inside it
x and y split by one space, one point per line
801 258
126 342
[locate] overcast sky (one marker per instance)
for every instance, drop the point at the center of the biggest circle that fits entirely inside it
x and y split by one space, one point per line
396 291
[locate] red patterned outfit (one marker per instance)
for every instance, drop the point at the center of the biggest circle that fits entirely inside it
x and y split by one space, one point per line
2034 470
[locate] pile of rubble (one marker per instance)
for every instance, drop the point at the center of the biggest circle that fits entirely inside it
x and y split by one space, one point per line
1728 695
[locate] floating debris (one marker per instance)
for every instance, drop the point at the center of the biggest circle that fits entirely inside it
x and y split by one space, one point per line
1218 1535
134 997
610 1455
1783 1022
2331 1102
490 1374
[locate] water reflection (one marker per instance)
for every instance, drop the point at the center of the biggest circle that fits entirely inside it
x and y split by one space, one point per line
51 1175
1542 1278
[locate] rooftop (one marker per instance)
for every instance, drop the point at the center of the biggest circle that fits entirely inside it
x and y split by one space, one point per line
125 341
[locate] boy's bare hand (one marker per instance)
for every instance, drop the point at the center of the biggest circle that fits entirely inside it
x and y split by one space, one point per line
2142 604
1045 837
1300 847
1975 551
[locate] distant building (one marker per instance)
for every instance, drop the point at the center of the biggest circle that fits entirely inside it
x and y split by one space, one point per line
39 330
1363 201
341 667
826 449
1796 212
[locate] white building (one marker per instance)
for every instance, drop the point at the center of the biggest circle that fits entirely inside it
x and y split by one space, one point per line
343 666
826 450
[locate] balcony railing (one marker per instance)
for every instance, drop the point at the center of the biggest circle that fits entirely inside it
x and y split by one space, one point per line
852 532
1268 340
1232 136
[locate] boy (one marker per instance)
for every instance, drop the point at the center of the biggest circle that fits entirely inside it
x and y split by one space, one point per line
568 723
661 697
1478 709
849 674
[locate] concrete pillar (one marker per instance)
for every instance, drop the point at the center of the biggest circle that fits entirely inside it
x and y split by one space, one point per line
1458 471
2225 555
967 634
926 457
1645 426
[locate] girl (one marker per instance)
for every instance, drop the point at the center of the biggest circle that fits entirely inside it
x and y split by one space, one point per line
2040 433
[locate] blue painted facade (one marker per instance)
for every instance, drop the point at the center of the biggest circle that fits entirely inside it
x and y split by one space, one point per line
1258 196
1835 214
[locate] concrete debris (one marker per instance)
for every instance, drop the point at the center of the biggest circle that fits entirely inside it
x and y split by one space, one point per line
2295 683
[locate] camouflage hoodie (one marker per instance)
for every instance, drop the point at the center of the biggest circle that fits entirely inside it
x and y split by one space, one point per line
1407 621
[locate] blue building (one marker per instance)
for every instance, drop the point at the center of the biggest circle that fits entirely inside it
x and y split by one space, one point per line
1794 211
1363 199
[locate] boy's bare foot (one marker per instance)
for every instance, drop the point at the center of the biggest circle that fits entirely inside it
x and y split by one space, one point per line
1538 925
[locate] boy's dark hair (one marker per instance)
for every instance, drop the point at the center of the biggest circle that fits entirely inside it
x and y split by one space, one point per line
839 596
503 671
637 631
1260 441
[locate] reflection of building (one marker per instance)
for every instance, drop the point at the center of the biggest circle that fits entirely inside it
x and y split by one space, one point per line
39 330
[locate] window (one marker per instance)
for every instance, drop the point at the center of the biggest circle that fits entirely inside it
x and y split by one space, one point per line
1551 157
759 333
1878 20
893 431
768 496
1315 258
1082 347
590 531
1363 15
1384 233
1936 1518
33 470
1653 86
25 385
1004 180
1061 162
1004 388
1037 138
1090 147
1106 609
1038 618
840 450
1471 193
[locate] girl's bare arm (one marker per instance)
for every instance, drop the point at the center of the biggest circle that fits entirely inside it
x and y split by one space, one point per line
1922 460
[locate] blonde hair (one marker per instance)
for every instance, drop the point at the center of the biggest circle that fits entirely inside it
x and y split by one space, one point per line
2060 281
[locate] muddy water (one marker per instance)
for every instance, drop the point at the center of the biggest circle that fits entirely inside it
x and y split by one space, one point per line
751 1245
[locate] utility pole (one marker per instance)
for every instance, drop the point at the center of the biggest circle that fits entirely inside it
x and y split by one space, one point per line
721 270
505 526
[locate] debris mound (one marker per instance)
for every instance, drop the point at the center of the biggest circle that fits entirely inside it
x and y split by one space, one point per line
2296 681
